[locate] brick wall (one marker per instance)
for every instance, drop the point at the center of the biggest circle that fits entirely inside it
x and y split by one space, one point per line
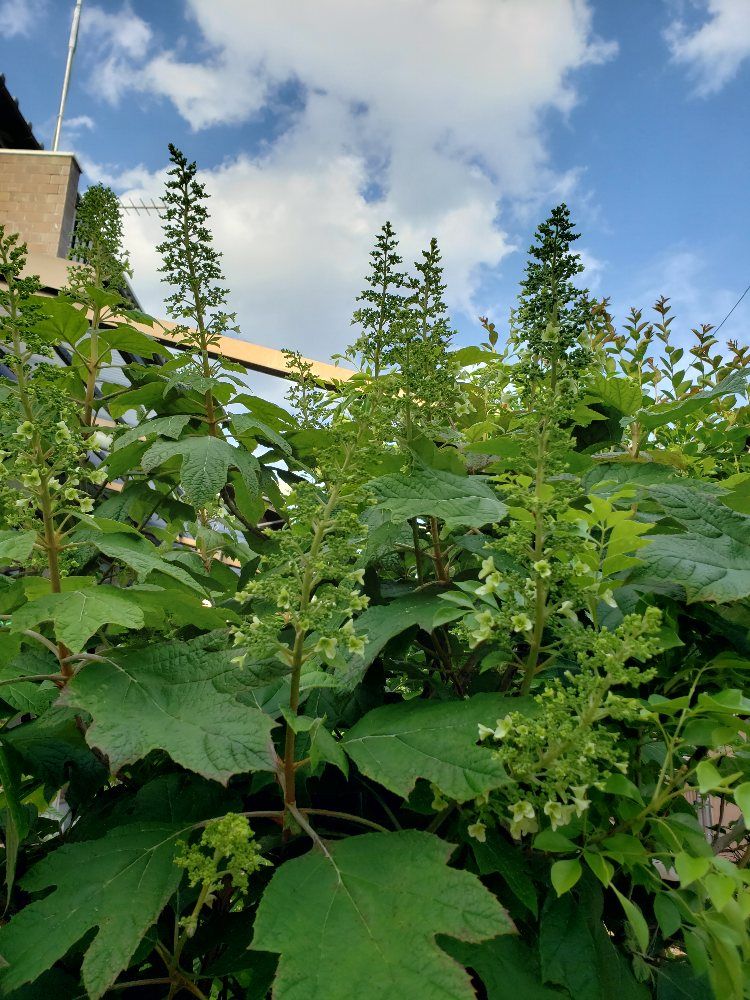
38 192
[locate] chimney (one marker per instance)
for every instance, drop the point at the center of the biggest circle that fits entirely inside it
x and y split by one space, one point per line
38 194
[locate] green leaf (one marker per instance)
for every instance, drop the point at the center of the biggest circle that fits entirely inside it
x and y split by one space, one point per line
599 866
270 413
738 497
382 622
205 465
16 546
53 749
474 355
711 560
636 920
456 500
15 822
26 696
565 874
502 447
119 885
78 615
553 842
136 553
708 777
127 338
671 413
247 423
324 747
606 478
507 966
623 846
497 855
435 740
618 784
679 981
720 889
667 914
168 427
690 868
621 394
742 798
175 697
577 953
361 921
60 320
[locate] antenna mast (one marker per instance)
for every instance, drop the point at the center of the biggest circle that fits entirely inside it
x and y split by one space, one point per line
72 42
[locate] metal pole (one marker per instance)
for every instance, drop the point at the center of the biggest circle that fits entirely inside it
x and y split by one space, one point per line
72 42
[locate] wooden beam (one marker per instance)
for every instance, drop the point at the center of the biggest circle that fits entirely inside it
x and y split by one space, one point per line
53 275
252 356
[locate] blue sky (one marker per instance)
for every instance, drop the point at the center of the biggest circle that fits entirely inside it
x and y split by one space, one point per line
463 118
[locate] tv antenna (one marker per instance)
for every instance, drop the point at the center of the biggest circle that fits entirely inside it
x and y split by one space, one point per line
145 206
72 42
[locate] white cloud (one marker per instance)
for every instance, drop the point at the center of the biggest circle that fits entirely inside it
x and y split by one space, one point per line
72 130
427 112
117 42
715 50
18 17
295 244
594 268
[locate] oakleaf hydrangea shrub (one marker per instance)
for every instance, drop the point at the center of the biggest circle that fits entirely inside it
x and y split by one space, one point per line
429 684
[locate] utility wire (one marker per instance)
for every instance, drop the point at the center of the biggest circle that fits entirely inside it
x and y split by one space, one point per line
714 332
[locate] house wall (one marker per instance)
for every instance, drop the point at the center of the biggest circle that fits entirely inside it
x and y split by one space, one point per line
38 194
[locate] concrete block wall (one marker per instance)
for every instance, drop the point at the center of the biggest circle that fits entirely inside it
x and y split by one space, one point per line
38 193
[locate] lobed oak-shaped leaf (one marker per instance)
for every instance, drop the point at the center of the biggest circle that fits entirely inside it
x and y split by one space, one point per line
118 885
136 553
169 427
436 740
78 615
507 966
16 546
205 465
622 394
456 500
711 560
361 922
176 697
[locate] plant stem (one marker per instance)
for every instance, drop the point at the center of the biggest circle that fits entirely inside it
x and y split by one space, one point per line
31 677
92 365
540 599
204 336
418 558
157 981
51 543
309 831
306 593
441 571
347 816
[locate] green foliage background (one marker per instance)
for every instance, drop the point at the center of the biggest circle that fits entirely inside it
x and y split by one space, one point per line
447 696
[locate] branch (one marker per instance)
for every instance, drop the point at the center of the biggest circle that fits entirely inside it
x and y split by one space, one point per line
734 834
